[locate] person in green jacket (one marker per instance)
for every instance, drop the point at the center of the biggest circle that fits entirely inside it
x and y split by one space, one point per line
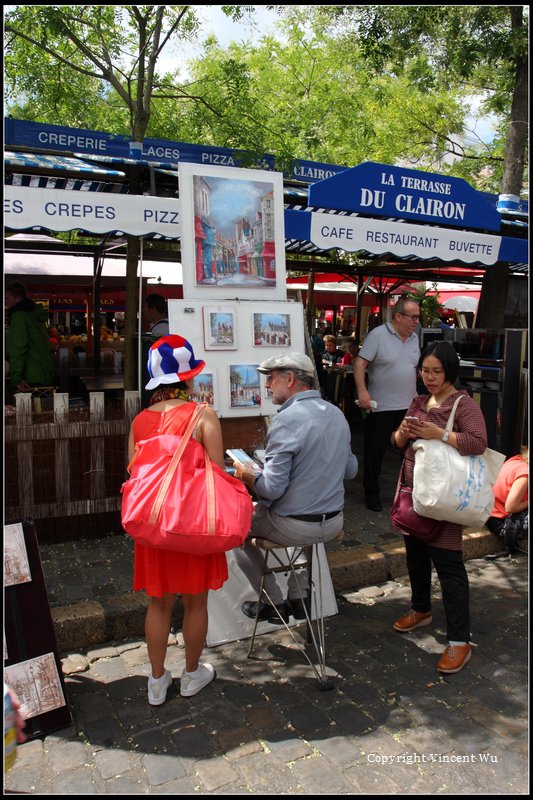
27 342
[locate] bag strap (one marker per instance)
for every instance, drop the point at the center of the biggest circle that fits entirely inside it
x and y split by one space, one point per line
173 465
449 424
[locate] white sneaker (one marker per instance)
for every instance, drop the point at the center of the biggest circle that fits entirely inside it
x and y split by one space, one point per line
193 684
157 688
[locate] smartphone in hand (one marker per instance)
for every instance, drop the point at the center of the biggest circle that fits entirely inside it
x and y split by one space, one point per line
243 458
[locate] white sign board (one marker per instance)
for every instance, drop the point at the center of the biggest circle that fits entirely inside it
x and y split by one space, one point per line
96 212
380 236
233 338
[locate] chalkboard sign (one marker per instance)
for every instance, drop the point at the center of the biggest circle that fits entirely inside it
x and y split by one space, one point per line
31 660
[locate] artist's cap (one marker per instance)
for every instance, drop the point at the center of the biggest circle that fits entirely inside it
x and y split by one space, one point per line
170 360
297 361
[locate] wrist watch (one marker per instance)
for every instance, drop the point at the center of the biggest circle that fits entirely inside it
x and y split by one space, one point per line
445 437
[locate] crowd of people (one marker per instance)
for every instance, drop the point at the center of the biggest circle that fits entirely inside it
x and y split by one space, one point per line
385 370
288 514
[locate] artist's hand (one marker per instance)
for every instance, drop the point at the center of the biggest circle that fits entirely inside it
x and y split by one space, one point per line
244 474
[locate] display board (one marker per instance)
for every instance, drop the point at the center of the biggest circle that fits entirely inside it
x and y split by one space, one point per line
233 338
227 623
32 664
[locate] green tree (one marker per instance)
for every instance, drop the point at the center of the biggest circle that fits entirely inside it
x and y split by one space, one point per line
484 50
58 57
299 96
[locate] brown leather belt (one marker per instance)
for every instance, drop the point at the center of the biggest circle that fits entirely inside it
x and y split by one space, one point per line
314 517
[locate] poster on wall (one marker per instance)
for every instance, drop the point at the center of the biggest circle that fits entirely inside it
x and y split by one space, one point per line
233 233
233 339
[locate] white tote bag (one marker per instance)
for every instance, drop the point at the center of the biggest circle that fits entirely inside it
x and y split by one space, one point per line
449 486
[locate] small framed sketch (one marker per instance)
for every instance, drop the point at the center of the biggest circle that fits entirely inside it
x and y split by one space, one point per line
272 330
37 684
204 389
245 389
220 328
16 563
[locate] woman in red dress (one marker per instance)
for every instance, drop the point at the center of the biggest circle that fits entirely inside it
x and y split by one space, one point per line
426 418
165 573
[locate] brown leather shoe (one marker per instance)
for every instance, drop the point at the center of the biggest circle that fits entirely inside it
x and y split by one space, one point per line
412 620
454 658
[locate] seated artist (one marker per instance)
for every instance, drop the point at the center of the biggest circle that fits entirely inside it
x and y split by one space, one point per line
293 508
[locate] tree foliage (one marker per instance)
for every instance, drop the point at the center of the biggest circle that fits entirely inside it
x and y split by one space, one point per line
338 84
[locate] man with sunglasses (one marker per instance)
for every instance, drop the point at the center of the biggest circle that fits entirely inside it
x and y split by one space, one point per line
388 362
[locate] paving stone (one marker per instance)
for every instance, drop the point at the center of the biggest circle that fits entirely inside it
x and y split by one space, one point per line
316 776
163 768
216 774
287 746
262 773
112 763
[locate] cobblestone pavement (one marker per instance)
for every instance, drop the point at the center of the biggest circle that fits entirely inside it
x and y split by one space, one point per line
391 725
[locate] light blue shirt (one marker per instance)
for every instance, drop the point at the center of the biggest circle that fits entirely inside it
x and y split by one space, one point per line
308 456
392 367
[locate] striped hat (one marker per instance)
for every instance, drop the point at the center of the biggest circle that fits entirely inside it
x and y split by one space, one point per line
170 360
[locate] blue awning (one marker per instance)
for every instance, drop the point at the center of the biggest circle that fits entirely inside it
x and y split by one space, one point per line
59 163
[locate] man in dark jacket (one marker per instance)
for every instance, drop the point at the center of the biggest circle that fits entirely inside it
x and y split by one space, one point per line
27 341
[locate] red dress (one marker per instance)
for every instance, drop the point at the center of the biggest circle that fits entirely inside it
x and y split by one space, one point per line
162 571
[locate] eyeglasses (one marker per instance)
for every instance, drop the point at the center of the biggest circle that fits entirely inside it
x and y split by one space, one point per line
411 316
435 373
271 375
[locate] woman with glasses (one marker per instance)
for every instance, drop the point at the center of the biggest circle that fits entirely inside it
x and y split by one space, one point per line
426 418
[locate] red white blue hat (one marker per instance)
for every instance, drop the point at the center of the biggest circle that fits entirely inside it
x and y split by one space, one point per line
170 360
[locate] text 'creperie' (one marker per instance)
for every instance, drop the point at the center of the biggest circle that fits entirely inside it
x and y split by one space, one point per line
72 141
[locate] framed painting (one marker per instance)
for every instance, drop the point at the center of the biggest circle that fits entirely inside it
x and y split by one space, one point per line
271 330
204 389
220 328
245 387
233 233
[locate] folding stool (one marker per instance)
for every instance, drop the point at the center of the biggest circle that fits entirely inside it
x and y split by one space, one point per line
289 558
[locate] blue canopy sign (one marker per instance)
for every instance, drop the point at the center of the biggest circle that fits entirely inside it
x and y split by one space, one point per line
168 154
386 191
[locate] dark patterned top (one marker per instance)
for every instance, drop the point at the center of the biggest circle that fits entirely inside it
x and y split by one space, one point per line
469 425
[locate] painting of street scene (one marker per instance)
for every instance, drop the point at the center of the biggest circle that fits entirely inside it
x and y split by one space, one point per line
219 329
16 563
272 330
234 232
244 386
203 389
37 685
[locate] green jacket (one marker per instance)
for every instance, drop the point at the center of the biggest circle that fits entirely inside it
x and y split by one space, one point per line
28 345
